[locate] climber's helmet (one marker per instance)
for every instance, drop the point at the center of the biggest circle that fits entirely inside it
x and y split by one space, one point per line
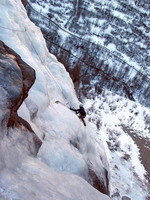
81 105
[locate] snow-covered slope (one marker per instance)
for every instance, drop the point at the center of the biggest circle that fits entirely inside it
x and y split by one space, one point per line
104 41
124 128
68 149
121 26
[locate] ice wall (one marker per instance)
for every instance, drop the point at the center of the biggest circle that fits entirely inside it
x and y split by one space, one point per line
67 146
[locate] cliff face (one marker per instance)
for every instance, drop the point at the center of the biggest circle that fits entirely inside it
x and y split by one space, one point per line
104 45
24 2
16 78
69 151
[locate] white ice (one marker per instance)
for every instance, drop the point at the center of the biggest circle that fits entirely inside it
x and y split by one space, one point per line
60 166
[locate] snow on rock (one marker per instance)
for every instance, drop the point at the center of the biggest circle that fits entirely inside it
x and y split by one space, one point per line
37 181
66 144
75 150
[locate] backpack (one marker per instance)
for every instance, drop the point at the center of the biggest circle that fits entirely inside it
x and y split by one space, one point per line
82 112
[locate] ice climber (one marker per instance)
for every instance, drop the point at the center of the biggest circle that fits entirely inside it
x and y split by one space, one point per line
81 112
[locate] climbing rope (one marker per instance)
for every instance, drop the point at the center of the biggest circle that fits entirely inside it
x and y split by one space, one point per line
42 62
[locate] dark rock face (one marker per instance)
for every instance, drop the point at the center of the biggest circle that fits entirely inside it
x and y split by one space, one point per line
98 182
16 78
95 66
125 198
24 2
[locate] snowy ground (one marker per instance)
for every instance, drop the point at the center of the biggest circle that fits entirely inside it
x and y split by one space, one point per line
112 113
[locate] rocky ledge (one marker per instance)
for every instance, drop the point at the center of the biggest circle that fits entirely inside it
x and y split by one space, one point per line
16 78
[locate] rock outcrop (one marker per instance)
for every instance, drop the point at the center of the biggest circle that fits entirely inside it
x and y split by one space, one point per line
24 2
16 78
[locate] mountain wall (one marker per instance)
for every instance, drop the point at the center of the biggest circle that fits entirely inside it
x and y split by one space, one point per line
91 64
16 78
45 150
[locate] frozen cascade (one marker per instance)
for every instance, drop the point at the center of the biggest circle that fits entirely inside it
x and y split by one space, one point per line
69 152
